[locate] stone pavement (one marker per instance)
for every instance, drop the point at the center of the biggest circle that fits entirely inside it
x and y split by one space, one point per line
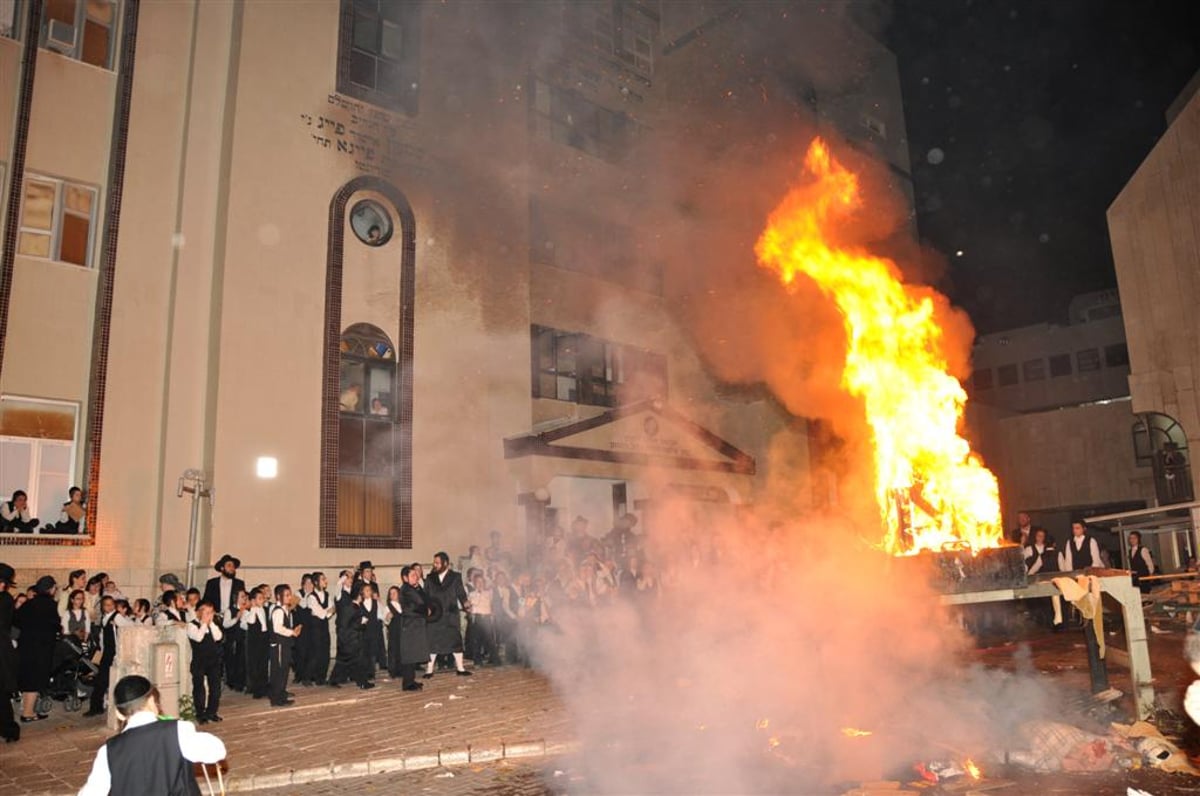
505 713
501 778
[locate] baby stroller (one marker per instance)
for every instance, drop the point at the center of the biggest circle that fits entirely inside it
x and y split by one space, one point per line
71 677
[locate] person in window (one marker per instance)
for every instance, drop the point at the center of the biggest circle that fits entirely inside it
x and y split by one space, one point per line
71 518
351 397
378 407
14 514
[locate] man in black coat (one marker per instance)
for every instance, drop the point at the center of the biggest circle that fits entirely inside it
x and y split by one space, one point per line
9 729
222 590
414 634
352 662
445 587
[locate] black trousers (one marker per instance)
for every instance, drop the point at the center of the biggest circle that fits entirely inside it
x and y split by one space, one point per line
8 722
317 631
206 686
408 673
235 658
256 663
481 639
352 663
278 662
100 686
300 651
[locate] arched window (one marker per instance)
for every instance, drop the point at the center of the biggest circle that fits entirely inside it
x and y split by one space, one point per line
366 499
1159 441
366 407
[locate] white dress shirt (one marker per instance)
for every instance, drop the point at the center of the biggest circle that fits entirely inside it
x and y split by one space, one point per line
255 614
197 634
315 607
1074 545
198 747
277 622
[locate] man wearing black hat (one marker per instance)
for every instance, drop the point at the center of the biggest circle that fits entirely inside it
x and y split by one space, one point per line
150 755
222 590
445 587
9 729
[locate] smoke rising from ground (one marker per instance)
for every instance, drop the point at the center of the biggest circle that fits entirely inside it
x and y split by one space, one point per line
775 629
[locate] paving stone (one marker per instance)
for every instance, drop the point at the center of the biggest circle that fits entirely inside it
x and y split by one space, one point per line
266 744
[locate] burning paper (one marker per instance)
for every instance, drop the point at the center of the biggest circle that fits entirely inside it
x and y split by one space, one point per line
932 491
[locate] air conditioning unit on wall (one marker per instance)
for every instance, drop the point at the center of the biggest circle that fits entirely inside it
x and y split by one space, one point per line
60 37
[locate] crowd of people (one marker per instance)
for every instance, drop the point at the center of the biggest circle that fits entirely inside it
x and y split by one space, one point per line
257 639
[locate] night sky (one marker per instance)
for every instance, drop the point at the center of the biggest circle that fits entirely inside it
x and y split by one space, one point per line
1025 119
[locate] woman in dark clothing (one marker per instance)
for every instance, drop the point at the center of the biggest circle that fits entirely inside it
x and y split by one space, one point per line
40 624
9 729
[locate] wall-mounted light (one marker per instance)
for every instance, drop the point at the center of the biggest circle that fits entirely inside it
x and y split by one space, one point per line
266 467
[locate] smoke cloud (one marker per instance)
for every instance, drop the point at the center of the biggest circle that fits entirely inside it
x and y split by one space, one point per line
775 630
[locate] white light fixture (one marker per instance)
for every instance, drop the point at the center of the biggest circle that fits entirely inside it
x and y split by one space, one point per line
266 467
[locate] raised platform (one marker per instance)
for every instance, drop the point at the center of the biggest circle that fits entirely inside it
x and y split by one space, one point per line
1117 584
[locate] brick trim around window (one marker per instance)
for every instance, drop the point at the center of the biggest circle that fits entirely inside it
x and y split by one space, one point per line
331 372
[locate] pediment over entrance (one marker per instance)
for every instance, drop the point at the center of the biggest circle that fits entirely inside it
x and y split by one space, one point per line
645 433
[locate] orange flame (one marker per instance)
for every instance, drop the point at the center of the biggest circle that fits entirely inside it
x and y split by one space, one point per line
972 769
932 491
851 732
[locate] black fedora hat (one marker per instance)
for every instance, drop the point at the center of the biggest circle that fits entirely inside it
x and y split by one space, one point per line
220 565
365 565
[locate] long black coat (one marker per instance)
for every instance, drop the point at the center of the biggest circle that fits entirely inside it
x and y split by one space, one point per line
40 625
414 630
212 592
445 635
8 655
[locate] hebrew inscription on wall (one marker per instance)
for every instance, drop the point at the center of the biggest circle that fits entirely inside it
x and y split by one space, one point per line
376 141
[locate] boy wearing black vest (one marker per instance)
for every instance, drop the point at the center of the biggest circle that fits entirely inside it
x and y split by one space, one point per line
235 642
206 637
108 653
1081 550
283 636
258 633
320 608
150 755
1141 562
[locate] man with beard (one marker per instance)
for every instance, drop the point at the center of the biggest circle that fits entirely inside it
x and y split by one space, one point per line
352 662
414 640
445 587
222 590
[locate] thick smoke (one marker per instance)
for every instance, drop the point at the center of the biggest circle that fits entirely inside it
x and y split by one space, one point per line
775 630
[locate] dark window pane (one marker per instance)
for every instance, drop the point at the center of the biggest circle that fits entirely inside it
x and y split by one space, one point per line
74 239
1088 360
390 78
95 44
362 68
392 41
1060 365
350 444
377 458
1007 374
1116 356
1033 370
982 379
394 10
366 33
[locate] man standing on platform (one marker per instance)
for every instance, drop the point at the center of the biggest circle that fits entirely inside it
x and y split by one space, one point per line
1081 550
445 635
1140 561
222 590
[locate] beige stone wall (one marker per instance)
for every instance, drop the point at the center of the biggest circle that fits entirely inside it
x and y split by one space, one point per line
1063 458
1156 249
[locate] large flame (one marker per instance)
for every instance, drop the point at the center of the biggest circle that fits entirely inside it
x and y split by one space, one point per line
933 492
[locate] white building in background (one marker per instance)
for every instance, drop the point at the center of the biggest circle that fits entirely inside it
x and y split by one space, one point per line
346 257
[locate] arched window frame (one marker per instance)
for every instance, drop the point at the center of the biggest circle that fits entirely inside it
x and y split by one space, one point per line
339 237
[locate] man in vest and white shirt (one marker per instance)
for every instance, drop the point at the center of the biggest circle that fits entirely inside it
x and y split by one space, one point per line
1081 550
